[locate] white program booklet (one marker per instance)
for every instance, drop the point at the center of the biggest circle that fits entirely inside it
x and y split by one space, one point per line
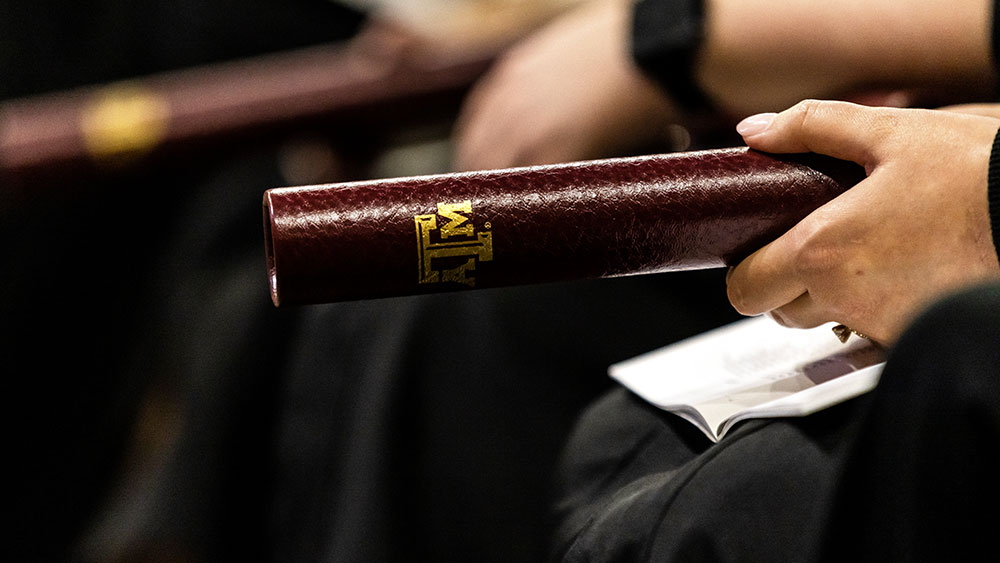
753 368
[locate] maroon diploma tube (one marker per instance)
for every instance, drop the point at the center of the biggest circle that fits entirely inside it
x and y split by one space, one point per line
594 219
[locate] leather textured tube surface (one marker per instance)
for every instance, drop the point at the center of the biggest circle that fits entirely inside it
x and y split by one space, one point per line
593 219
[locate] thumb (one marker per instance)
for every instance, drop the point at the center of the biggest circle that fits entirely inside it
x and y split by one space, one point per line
839 129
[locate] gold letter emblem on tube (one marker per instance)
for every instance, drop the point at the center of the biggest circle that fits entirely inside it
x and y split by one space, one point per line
456 239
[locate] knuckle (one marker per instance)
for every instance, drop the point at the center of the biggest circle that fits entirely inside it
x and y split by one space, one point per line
816 255
883 125
806 111
814 261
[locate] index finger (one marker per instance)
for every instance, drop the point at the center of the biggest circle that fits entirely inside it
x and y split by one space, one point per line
766 279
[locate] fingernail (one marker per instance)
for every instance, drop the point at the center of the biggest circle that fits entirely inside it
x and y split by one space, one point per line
755 124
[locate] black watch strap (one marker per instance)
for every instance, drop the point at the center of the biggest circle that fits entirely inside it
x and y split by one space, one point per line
666 36
993 191
995 35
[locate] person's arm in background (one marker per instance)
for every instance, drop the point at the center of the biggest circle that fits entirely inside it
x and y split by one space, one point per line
573 90
918 227
759 54
568 92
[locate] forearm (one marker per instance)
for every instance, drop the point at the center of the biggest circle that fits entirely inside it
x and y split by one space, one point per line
761 55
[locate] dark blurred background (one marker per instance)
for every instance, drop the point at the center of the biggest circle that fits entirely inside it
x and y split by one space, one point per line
87 264
164 410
